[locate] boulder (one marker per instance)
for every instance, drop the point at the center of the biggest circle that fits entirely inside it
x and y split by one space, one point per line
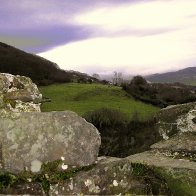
112 176
30 139
184 142
177 119
179 173
18 94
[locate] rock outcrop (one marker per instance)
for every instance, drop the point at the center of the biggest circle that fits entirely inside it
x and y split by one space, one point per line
169 168
177 119
30 139
18 94
113 176
54 153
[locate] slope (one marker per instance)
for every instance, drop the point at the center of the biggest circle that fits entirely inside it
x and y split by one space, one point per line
82 98
40 70
186 76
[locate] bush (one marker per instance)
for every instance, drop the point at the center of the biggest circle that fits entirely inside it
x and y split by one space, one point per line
120 137
138 80
106 118
159 94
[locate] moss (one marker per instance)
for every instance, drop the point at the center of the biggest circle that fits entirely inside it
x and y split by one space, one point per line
138 169
50 174
25 175
6 180
178 186
181 189
51 167
156 185
9 101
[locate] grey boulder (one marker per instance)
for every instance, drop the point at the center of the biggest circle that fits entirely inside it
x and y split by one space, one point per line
18 94
177 119
30 139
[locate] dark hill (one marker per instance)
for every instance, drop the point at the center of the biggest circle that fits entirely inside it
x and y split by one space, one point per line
40 70
186 76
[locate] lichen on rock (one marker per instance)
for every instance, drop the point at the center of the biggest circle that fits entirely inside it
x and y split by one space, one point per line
18 94
177 119
35 137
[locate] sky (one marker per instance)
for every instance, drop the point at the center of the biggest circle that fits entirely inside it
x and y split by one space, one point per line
103 36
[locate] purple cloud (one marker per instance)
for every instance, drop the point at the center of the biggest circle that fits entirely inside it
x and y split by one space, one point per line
36 26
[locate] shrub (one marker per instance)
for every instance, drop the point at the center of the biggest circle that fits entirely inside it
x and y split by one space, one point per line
106 118
159 94
120 137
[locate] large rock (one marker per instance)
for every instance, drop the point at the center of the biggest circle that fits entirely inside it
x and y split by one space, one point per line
178 173
177 119
184 142
147 173
112 176
18 94
30 139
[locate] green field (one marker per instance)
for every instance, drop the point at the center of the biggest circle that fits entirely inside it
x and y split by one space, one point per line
82 98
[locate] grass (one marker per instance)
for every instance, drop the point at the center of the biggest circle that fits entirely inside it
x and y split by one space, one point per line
82 98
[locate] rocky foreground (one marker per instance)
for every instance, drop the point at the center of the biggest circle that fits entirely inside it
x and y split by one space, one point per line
55 153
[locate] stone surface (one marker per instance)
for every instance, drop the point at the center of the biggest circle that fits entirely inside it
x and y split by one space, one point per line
184 142
111 176
23 189
177 119
30 139
147 173
18 94
31 143
179 173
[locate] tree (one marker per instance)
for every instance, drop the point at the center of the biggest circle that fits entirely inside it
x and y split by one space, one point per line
97 76
138 80
117 78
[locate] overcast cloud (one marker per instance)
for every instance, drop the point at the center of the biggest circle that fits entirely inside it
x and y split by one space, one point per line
137 37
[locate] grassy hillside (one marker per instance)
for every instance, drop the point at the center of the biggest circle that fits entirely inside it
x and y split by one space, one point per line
82 98
40 70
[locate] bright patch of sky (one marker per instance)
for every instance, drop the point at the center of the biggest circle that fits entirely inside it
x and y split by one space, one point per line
140 38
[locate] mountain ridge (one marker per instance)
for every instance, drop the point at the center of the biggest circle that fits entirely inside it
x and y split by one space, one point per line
185 76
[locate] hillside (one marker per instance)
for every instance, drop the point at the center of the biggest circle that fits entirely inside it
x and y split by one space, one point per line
186 76
40 70
82 98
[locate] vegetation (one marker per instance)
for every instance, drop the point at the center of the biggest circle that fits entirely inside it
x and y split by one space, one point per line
106 118
49 174
6 180
121 137
177 184
159 94
123 122
40 70
83 98
157 184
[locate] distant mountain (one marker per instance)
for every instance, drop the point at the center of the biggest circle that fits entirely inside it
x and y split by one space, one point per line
186 76
40 70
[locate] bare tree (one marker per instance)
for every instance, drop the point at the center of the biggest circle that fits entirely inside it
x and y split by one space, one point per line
117 78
